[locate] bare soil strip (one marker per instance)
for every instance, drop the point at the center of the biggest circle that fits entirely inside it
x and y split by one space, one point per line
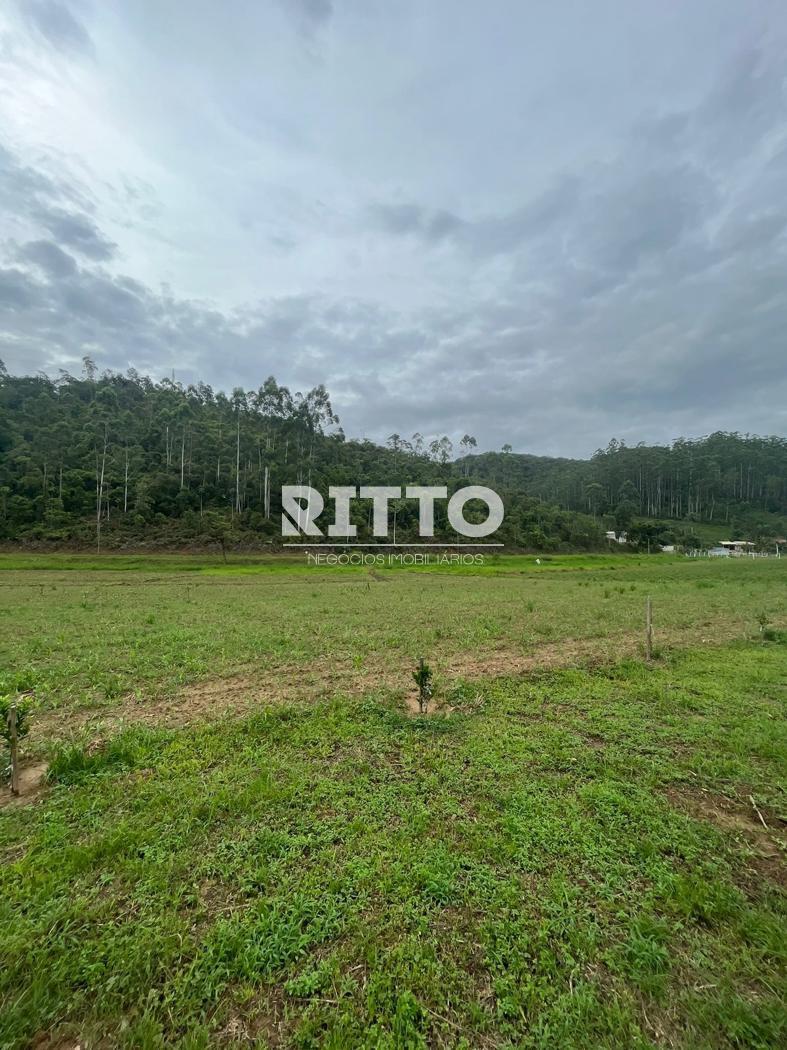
250 688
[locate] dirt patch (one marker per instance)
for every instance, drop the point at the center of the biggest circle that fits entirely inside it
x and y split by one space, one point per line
31 785
52 1041
571 652
201 702
258 687
592 740
763 831
436 706
412 704
263 1020
206 700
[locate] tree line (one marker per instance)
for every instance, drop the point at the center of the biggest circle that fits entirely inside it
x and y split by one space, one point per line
115 459
736 479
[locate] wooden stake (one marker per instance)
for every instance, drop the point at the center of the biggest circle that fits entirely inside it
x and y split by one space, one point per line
762 819
14 751
648 629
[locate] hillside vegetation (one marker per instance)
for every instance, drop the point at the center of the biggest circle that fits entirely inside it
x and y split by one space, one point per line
118 460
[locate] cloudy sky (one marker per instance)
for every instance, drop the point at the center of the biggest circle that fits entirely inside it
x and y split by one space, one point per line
544 223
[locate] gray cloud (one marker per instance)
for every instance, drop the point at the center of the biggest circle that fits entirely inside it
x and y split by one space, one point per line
310 15
488 235
52 259
450 243
52 204
20 183
58 25
315 10
16 291
614 219
413 219
77 232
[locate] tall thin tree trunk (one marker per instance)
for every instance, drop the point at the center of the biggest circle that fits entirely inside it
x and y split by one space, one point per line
100 489
125 483
237 470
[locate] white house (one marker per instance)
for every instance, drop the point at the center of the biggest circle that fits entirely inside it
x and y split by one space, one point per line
737 546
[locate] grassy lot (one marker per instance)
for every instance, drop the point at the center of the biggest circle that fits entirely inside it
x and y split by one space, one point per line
588 853
87 639
288 563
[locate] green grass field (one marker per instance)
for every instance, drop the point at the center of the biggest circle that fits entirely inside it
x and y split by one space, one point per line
247 837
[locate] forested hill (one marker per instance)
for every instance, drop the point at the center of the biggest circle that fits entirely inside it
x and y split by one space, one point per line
714 478
123 460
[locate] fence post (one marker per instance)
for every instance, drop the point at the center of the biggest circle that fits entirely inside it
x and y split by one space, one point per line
14 747
648 629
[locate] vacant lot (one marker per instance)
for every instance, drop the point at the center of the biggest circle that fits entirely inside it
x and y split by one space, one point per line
130 640
248 839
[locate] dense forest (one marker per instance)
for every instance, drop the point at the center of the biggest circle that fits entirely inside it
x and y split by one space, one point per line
732 479
118 460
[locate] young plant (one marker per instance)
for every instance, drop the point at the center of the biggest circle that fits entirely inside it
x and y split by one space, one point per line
423 679
14 726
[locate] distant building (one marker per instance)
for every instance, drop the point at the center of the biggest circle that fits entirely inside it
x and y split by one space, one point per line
613 537
737 546
718 552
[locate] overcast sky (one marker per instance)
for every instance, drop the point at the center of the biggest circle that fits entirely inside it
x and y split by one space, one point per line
543 223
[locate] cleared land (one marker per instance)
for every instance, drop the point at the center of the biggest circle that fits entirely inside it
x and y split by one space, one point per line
578 850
